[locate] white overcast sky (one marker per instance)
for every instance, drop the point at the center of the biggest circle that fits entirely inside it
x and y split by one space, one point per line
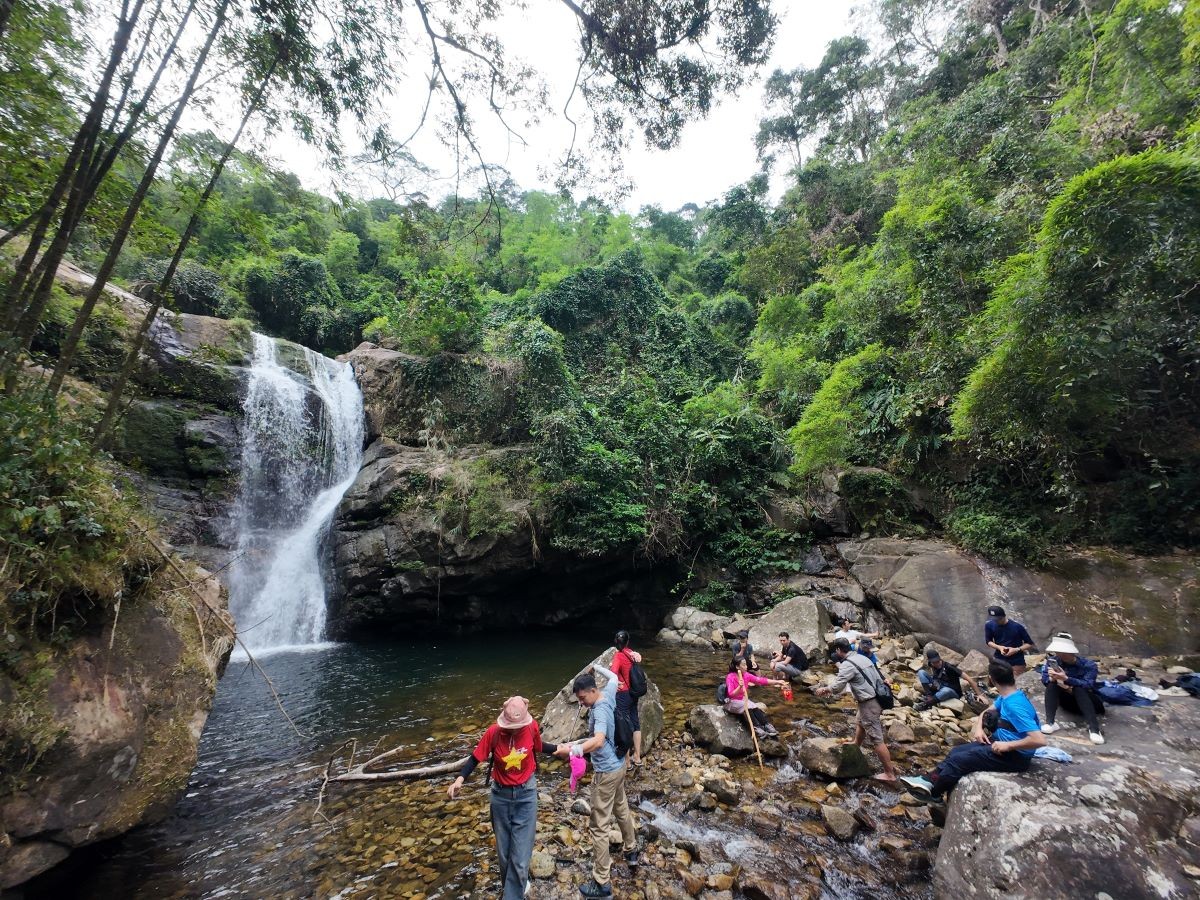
713 155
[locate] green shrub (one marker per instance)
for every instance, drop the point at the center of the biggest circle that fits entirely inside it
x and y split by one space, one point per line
999 537
876 499
827 434
444 313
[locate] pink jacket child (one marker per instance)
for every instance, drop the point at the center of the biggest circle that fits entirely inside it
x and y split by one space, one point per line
578 767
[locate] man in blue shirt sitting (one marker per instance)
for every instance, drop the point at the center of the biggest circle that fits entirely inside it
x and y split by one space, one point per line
1004 739
1008 639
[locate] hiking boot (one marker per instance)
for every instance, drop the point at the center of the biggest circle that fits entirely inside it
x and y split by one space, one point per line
591 889
1050 728
771 731
633 859
1095 737
922 705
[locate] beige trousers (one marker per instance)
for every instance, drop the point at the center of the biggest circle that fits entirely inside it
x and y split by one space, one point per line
608 800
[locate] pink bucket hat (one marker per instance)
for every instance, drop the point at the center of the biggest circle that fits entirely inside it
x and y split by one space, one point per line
515 713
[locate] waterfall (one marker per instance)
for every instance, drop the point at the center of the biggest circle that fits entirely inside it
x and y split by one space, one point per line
301 450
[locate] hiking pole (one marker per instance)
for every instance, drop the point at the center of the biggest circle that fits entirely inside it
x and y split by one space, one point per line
749 721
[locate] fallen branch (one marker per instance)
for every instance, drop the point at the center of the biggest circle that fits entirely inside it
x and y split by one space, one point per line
353 745
361 773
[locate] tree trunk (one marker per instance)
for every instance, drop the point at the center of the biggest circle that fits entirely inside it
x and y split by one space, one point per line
6 10
100 434
68 177
95 164
70 345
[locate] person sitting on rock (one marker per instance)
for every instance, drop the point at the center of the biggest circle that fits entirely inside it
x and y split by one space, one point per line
510 743
737 689
1004 739
859 674
1070 681
866 646
743 650
845 630
1008 639
940 681
789 660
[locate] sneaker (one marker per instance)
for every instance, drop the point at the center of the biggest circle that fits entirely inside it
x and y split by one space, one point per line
922 705
592 889
1050 728
918 785
772 731
633 859
1096 737
528 888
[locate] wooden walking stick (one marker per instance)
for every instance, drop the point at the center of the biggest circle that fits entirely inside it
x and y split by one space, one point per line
749 721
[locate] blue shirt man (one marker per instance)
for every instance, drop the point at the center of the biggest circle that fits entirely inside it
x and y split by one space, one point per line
1008 639
602 717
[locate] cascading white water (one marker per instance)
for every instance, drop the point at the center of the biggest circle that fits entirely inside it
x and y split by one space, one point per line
301 451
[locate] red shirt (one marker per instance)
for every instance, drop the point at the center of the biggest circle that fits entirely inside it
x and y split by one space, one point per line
514 752
621 664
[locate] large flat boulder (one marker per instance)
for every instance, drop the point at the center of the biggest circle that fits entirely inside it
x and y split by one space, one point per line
833 758
1122 822
1111 602
719 732
565 718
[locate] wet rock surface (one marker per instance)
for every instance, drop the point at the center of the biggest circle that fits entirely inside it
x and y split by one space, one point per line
565 718
131 702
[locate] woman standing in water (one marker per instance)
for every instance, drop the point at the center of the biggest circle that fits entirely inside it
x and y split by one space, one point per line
508 746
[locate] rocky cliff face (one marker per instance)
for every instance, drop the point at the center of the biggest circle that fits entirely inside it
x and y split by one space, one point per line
127 702
424 539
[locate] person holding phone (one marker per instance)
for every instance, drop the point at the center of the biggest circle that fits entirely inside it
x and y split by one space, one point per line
1070 681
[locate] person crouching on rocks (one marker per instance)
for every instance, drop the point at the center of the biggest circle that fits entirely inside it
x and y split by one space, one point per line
1070 681
1004 739
510 744
859 674
939 680
737 689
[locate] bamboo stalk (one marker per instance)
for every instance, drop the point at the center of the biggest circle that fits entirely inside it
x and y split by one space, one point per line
749 721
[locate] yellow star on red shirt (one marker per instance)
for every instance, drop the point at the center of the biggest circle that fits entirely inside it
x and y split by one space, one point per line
514 759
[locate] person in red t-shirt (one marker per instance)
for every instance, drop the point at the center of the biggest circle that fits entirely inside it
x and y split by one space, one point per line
627 706
510 745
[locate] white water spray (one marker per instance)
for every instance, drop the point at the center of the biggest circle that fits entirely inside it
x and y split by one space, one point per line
300 453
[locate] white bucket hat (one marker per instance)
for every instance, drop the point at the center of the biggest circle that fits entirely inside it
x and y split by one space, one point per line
1063 643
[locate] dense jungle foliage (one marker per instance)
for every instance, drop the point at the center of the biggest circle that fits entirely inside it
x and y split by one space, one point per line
982 281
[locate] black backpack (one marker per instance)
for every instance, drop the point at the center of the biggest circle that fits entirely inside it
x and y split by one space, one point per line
637 681
883 690
722 692
622 734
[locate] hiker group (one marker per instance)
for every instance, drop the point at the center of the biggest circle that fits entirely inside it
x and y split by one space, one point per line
613 744
1004 737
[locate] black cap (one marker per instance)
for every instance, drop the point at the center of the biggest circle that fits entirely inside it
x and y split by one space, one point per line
996 612
743 634
932 654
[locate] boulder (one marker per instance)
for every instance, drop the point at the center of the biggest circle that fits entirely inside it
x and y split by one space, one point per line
1114 824
541 864
975 664
933 587
719 732
724 789
804 618
834 759
565 718
900 733
839 822
129 712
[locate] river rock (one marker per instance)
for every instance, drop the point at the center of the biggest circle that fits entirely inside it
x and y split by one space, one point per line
719 732
541 864
975 664
933 587
724 789
565 718
833 759
949 654
804 618
838 822
1113 824
130 716
900 733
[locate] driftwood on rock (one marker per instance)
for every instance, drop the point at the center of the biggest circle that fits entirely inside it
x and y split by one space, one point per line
363 772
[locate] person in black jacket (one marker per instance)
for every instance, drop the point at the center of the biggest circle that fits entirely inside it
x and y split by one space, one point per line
940 681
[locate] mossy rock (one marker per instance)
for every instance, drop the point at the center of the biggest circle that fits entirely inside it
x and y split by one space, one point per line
152 437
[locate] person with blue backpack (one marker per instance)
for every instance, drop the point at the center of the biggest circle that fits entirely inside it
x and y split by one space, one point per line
608 798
